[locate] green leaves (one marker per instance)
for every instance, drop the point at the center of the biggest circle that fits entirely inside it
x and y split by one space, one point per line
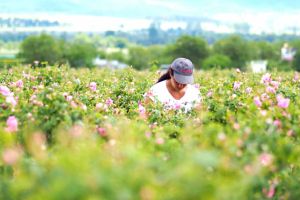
76 142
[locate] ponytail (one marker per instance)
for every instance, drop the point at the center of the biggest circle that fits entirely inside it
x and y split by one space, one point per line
166 75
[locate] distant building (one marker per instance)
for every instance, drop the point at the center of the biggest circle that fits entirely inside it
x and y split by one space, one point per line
287 53
258 65
164 68
112 64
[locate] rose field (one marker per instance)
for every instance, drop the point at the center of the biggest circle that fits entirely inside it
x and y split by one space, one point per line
86 134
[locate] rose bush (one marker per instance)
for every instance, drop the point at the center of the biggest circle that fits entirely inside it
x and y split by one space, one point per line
84 134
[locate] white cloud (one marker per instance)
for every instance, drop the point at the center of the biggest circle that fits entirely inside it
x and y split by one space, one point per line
174 6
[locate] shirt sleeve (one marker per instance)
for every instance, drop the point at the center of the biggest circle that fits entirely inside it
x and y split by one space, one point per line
196 96
149 95
152 93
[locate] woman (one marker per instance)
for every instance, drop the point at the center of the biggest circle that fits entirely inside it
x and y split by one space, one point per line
174 88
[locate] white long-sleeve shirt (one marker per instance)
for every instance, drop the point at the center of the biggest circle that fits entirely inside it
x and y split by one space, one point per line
159 92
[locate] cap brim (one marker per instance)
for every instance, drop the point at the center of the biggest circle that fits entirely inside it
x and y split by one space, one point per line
183 79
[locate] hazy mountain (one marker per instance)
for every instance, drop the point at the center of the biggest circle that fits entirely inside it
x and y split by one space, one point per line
147 8
223 16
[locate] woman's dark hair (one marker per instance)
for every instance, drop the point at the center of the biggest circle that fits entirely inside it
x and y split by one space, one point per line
166 75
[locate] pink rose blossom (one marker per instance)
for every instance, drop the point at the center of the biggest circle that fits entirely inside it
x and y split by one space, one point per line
99 106
236 126
264 97
270 192
239 142
33 97
263 112
142 110
282 102
270 89
150 94
34 88
12 124
266 159
27 76
222 136
148 134
236 85
290 133
37 103
160 141
73 104
153 125
19 83
209 94
13 84
101 131
177 106
11 156
277 123
248 90
11 100
275 84
5 91
69 98
109 102
257 101
93 86
83 107
296 77
266 78
131 90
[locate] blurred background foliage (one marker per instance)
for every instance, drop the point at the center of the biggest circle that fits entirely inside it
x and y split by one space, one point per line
232 51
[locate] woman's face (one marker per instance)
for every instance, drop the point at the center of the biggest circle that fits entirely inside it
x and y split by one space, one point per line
177 86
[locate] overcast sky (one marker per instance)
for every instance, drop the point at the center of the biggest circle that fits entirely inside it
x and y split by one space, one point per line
140 8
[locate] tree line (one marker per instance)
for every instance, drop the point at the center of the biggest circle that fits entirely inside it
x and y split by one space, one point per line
233 51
